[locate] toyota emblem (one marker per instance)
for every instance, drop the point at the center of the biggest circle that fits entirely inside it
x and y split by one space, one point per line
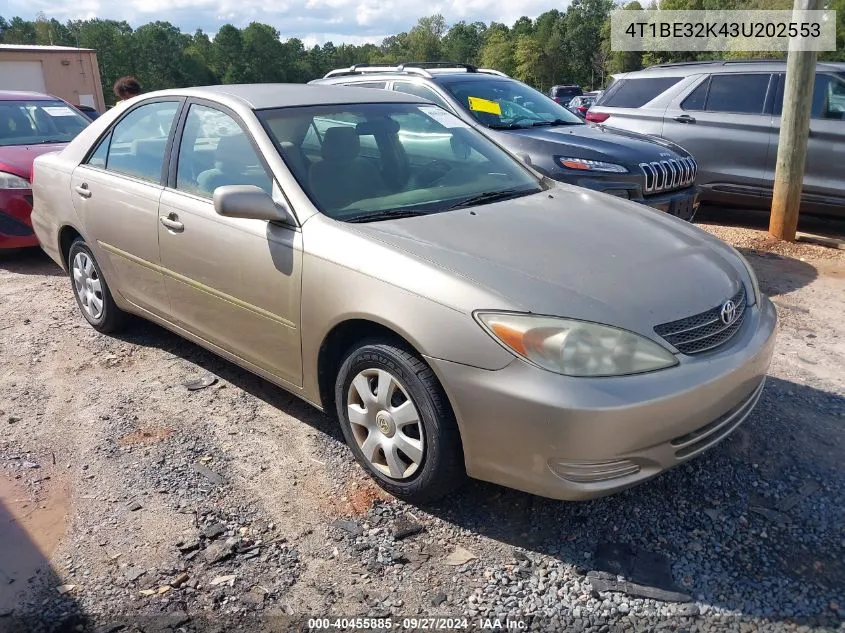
728 312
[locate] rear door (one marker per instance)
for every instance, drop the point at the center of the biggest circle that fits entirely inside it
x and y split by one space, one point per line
824 174
116 193
724 123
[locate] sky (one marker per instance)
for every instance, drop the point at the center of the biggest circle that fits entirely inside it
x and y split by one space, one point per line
313 21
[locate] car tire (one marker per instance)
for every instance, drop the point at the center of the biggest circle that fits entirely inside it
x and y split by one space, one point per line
91 291
433 464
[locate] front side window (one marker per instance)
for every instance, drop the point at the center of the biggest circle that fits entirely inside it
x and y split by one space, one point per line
361 162
829 97
420 91
137 143
508 104
697 99
737 93
39 122
215 151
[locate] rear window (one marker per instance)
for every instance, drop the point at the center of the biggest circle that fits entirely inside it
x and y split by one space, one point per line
569 91
633 93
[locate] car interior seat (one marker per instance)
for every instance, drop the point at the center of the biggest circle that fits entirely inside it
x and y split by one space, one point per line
343 177
235 163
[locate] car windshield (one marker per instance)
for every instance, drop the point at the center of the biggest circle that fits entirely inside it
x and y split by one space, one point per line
38 122
509 104
367 162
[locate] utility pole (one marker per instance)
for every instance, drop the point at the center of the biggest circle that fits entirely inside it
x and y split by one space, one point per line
794 130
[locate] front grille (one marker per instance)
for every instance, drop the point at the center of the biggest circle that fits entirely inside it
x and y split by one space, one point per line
666 175
705 331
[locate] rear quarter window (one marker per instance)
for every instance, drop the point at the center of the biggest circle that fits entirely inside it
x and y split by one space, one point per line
636 92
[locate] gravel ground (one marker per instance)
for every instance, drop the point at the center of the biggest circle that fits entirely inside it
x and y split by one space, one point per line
130 502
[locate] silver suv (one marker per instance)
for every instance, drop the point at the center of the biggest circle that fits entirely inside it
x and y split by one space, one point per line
727 115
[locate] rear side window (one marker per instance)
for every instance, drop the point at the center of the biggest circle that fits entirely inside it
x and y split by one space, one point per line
368 84
419 91
138 142
697 99
634 93
737 93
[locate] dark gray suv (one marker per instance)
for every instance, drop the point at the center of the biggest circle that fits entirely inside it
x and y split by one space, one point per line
545 134
728 115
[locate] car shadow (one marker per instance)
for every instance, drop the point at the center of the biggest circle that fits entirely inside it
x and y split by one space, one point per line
762 511
29 261
32 595
778 274
759 219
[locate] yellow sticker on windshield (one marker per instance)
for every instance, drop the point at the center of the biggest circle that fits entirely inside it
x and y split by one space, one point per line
484 105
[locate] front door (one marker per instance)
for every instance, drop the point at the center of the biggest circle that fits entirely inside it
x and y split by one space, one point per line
825 144
116 193
234 282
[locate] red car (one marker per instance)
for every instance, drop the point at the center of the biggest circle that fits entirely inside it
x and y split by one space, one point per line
31 124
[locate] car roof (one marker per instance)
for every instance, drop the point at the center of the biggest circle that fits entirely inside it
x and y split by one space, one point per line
693 68
17 95
261 96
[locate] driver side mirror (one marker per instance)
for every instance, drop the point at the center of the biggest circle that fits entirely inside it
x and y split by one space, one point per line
250 202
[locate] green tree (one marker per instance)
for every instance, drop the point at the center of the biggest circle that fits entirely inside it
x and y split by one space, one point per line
160 60
264 57
527 57
227 55
498 52
424 40
463 42
19 31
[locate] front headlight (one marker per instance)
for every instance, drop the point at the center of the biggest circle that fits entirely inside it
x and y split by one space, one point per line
576 348
583 164
11 181
755 285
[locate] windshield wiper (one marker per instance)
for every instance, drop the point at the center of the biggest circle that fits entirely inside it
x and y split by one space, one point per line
556 122
387 215
487 197
49 141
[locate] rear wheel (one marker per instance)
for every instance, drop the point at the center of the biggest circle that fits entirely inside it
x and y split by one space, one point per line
398 423
91 290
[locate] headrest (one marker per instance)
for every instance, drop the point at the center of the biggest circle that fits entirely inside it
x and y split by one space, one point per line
234 147
341 144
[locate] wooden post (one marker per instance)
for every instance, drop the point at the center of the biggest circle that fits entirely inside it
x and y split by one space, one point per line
794 130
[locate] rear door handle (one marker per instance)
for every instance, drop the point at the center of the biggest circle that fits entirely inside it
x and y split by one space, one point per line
172 223
83 190
684 118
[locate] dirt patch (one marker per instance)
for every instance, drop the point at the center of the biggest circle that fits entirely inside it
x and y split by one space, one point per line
32 523
760 240
357 499
145 436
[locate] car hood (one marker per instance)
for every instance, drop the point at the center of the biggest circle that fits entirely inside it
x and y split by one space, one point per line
593 142
575 253
17 159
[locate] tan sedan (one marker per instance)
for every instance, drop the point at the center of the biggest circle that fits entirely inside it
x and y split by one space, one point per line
372 254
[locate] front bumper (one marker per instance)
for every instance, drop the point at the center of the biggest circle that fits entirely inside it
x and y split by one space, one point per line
579 438
682 203
15 224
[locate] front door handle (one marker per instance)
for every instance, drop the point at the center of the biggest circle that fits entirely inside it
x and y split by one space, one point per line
171 222
83 190
684 118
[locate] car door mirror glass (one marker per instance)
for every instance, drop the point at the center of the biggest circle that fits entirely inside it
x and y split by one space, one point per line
250 202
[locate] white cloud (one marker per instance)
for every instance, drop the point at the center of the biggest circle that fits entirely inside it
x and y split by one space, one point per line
313 21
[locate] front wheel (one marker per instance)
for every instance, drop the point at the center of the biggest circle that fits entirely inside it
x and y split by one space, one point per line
398 422
91 290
